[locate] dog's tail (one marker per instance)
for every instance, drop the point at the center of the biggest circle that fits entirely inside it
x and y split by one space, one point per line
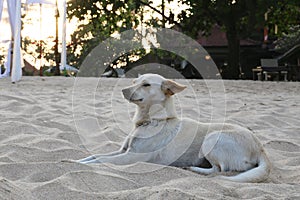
257 174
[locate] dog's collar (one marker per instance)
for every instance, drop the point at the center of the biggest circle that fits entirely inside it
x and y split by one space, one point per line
152 121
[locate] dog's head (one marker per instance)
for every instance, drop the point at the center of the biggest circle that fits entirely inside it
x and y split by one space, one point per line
150 89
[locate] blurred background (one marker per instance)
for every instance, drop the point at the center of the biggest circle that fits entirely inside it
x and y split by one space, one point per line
237 34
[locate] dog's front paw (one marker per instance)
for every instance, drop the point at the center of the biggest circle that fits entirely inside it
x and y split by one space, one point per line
69 161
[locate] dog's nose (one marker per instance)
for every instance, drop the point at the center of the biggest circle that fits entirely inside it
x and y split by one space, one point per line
127 93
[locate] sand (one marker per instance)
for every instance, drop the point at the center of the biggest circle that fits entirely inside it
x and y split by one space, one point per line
46 121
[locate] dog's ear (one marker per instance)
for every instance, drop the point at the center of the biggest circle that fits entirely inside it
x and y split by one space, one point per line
171 87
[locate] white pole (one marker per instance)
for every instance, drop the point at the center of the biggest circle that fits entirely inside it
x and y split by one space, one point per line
16 72
64 46
1 8
41 42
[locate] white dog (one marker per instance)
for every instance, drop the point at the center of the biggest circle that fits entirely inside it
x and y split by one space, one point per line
160 137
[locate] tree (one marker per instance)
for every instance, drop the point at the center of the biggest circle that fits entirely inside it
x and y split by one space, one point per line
286 18
239 18
98 21
288 40
44 50
284 15
2 58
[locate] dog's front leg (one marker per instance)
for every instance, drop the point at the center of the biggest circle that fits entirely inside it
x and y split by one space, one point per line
99 156
94 158
123 158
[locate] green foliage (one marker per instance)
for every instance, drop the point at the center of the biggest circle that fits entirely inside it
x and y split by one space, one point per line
287 41
284 14
98 21
239 19
241 15
36 47
2 57
235 17
3 53
46 73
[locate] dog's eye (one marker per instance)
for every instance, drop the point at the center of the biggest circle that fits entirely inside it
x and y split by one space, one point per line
146 85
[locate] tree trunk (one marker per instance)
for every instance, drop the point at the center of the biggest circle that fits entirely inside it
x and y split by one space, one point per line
232 71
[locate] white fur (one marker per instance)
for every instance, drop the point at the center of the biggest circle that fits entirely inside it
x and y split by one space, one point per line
160 137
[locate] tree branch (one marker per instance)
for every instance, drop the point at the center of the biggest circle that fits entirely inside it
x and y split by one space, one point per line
161 13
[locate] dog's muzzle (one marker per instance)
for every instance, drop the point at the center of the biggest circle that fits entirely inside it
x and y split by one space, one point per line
128 94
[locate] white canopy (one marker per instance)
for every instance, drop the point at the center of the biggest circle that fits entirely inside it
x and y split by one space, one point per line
14 9
64 45
15 21
1 8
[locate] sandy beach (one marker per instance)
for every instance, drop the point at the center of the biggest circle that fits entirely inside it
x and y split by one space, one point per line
46 121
